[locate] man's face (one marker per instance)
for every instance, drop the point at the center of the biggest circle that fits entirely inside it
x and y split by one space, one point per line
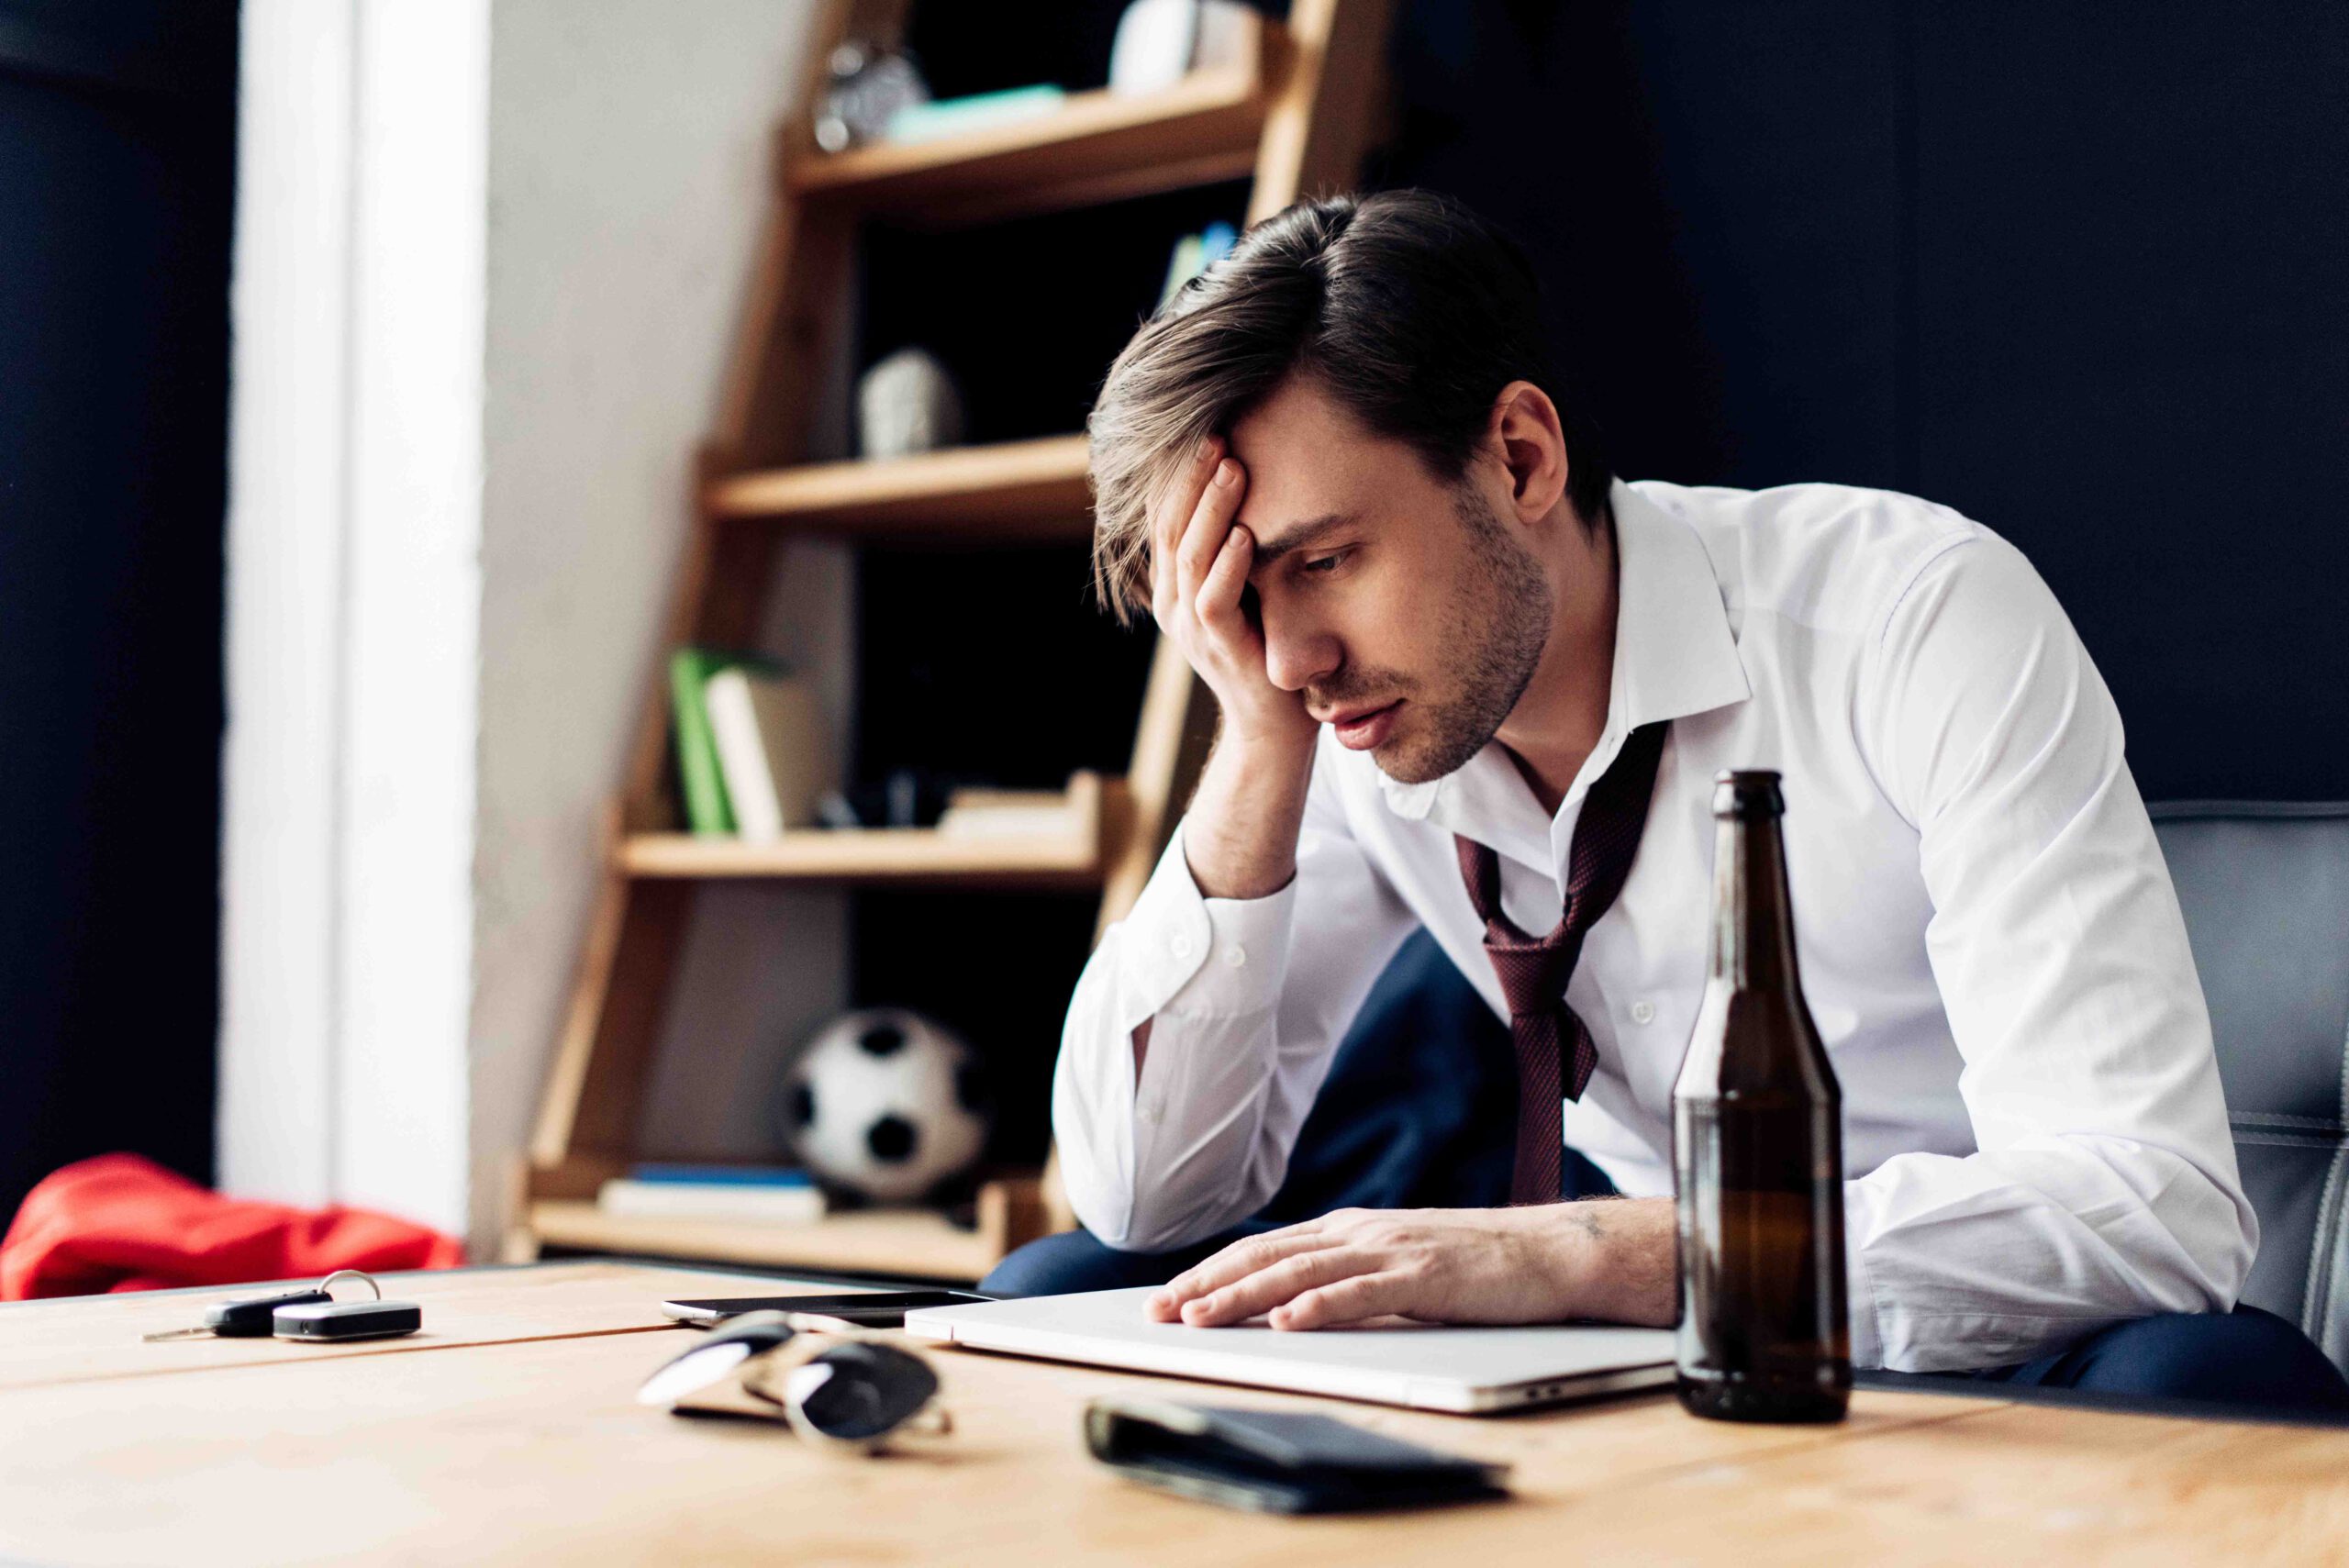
1407 610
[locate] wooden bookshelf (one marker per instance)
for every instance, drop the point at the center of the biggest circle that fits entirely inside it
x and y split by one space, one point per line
1095 147
1007 491
1294 115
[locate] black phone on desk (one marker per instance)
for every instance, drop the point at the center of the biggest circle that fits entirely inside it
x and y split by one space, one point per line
865 1309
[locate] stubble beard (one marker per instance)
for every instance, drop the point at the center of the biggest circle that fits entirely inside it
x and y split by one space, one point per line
1500 623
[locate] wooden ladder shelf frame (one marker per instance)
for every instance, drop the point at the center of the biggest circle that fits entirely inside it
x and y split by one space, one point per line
1298 115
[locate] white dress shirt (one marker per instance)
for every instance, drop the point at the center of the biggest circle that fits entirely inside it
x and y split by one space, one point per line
1989 941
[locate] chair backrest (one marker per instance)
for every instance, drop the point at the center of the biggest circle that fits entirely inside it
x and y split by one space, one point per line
2266 891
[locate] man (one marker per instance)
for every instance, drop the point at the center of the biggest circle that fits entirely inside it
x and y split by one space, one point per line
1340 474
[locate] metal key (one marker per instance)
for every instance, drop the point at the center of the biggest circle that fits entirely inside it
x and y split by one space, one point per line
247 1317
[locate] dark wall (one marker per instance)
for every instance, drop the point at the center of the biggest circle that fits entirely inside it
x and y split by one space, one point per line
115 157
2075 269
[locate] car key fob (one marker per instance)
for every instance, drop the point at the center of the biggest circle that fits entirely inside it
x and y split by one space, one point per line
246 1318
255 1317
323 1320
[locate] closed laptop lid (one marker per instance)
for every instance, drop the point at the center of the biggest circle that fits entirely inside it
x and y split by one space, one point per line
1422 1365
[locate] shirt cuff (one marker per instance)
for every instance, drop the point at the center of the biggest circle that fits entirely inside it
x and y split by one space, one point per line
1859 1290
1203 957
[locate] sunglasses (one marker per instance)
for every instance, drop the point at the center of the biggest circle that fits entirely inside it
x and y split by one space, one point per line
834 1384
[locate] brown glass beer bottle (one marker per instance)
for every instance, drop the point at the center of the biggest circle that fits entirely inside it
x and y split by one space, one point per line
1758 1150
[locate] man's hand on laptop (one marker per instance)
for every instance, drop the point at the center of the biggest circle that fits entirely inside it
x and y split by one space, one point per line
1609 1259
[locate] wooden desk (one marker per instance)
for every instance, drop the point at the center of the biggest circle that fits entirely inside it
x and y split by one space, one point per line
509 1434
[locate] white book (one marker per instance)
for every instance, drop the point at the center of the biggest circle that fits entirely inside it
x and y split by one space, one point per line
711 1200
770 741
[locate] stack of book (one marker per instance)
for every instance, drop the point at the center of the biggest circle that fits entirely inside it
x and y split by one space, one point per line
751 746
770 1194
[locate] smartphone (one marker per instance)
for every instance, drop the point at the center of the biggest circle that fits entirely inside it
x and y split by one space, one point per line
868 1308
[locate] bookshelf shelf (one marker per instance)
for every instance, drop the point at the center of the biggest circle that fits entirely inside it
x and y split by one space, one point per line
1074 858
911 1242
1010 490
877 855
1095 147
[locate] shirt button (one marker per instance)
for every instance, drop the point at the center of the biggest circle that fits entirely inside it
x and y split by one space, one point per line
1643 1012
1182 946
1235 955
1150 1114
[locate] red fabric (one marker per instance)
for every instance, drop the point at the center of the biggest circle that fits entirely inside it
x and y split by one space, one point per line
122 1222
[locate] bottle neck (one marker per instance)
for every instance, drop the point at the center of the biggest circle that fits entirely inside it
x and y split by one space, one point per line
1754 922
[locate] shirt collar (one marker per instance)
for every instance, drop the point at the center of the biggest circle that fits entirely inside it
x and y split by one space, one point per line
1674 655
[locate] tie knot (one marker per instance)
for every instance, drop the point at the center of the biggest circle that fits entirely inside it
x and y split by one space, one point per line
1533 975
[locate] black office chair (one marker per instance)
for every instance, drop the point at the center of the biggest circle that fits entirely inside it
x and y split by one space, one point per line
2266 890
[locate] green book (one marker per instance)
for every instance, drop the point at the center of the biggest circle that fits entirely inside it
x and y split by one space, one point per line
1189 259
980 111
707 811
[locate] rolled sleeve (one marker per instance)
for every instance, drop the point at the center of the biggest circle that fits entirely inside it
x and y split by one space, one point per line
1859 1285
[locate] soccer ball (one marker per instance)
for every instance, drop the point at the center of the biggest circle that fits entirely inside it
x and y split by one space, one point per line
886 1104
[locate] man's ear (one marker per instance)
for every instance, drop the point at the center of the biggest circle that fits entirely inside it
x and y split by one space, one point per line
1524 433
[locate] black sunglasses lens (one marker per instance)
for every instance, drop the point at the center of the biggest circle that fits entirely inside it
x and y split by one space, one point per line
864 1391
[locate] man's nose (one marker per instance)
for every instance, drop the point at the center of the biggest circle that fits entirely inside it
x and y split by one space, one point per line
1298 656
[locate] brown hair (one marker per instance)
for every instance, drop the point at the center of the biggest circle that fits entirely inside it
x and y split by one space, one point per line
1410 311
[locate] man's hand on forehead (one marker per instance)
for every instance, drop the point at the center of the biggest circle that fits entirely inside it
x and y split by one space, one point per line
1200 560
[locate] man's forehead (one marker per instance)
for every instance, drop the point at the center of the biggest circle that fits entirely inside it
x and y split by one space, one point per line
1283 494
1307 461
1297 415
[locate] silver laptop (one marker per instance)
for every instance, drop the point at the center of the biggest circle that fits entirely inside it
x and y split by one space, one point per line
1422 1366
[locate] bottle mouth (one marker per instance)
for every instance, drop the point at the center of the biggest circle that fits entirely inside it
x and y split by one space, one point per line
1748 791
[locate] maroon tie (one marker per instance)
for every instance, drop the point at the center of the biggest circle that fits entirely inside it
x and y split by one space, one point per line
1533 975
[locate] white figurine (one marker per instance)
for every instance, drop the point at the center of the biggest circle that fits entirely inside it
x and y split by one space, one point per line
907 403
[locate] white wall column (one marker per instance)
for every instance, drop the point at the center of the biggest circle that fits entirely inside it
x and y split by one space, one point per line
354 595
411 631
288 486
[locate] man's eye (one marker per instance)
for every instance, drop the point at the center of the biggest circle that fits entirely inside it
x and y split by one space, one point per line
1325 563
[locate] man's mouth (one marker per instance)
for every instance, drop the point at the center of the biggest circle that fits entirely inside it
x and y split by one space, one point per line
1361 729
